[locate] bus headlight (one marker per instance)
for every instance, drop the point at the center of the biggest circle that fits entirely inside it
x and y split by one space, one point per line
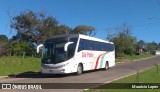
54 67
63 65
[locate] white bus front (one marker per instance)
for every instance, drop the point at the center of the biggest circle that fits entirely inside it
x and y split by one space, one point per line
57 54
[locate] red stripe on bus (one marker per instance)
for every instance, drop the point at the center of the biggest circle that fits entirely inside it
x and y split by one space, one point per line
97 61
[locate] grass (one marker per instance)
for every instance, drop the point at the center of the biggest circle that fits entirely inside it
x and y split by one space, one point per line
133 57
16 65
147 76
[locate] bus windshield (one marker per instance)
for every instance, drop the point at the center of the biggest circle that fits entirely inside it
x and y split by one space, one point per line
53 52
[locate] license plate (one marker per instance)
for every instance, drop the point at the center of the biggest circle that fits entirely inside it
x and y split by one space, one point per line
50 71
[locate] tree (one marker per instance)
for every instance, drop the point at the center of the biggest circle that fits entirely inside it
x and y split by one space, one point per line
3 44
34 26
3 39
124 42
37 27
63 29
20 47
141 46
158 46
152 46
83 29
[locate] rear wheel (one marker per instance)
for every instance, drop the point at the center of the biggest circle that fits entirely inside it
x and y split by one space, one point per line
106 66
79 69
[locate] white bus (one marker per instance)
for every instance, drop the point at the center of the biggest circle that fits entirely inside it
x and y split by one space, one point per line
75 53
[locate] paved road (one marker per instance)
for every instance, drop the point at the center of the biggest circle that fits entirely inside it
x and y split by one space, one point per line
118 71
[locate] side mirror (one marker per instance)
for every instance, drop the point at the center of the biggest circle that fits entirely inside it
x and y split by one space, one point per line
38 47
66 45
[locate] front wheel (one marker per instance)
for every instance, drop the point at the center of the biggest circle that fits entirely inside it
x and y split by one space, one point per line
79 69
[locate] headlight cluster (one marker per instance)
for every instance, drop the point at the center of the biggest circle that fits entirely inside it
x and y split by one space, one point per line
55 67
62 65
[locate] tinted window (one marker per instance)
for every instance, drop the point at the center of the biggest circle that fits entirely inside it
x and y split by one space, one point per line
81 45
111 47
94 45
72 47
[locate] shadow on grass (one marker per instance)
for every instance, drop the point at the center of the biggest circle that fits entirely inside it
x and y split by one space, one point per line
31 74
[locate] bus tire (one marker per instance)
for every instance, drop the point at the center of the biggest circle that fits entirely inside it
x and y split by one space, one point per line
79 69
106 66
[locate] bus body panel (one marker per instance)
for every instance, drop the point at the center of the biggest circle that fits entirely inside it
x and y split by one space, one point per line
60 68
90 59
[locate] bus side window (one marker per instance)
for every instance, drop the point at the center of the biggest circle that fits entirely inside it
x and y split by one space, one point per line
85 44
108 47
111 47
96 46
88 45
81 45
91 45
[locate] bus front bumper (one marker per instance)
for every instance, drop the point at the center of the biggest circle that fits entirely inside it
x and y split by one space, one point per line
53 71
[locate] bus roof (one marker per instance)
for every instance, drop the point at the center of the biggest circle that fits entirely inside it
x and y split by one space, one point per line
78 36
93 38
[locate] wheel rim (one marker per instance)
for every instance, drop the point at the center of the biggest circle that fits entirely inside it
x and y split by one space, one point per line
79 69
106 67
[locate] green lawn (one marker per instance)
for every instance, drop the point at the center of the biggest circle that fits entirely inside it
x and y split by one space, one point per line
147 76
133 57
17 65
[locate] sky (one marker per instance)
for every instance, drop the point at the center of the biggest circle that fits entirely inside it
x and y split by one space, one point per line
143 16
